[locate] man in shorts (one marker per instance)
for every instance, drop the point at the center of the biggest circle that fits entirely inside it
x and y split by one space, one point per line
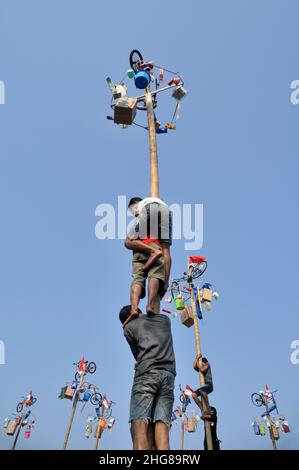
152 396
149 238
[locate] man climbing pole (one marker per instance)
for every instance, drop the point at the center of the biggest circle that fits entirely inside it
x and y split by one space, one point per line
152 396
149 238
205 368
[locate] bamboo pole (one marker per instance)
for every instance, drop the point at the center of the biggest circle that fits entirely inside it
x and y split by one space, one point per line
154 177
270 429
201 376
18 433
182 432
73 411
98 430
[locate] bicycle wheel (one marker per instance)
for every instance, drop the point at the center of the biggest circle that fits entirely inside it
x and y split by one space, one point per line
92 367
77 377
34 399
174 289
135 57
257 399
182 398
198 270
96 399
19 407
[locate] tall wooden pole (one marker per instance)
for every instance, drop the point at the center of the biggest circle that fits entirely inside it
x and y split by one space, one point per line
154 175
154 170
201 376
18 433
182 432
270 429
73 411
98 430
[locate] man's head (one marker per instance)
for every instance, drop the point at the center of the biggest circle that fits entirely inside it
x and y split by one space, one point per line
125 312
132 206
205 360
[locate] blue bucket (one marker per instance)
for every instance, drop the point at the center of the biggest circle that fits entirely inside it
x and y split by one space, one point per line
87 395
142 79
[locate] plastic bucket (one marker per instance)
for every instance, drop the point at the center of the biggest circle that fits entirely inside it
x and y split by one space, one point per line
142 79
87 395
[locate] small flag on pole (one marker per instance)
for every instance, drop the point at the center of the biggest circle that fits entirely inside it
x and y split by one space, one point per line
193 260
188 391
81 367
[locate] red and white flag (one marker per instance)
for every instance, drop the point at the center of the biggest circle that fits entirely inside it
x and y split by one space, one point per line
188 391
193 260
81 367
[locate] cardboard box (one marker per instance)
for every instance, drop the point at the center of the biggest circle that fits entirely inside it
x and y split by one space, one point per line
69 393
125 111
11 427
207 295
186 316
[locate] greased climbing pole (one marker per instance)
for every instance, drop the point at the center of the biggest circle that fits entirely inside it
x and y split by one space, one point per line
154 174
190 302
198 353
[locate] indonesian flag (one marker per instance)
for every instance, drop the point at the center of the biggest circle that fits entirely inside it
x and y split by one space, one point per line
81 367
193 260
267 392
188 391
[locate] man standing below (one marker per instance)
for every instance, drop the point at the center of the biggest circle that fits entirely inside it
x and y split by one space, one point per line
152 396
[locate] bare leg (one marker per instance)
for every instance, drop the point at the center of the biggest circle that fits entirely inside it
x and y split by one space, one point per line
161 436
151 436
197 401
207 413
140 246
153 293
139 431
135 296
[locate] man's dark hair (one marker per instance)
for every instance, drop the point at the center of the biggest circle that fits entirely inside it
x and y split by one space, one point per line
205 360
125 312
134 200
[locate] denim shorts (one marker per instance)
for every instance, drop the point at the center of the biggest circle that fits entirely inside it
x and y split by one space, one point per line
152 397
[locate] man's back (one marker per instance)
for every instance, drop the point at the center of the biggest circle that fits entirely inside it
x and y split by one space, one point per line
150 340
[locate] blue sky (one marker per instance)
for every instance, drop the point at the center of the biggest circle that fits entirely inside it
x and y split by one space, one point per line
235 151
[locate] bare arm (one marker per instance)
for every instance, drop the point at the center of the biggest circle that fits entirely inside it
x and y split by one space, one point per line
167 261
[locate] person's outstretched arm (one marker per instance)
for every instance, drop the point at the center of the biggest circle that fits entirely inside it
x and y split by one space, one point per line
167 261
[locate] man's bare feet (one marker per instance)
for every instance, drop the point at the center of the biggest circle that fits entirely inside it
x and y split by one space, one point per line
152 259
206 416
150 310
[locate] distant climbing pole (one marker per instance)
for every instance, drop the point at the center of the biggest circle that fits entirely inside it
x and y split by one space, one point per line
190 302
270 418
22 419
79 390
198 352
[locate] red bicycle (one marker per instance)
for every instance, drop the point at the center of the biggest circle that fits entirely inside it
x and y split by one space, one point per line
29 401
89 367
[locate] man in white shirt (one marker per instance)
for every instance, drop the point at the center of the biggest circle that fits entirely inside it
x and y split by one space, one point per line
149 238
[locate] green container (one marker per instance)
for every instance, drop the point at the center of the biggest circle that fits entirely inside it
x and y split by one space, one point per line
179 304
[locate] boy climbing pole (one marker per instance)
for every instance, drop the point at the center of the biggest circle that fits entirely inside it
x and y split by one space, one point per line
202 365
149 238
